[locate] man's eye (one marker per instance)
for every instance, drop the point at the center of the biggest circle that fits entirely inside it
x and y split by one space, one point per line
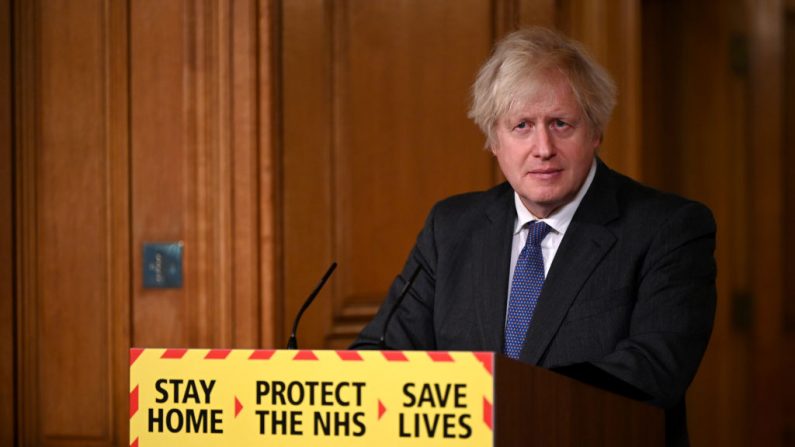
560 124
522 125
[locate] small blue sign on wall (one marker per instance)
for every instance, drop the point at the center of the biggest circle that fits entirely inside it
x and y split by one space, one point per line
163 265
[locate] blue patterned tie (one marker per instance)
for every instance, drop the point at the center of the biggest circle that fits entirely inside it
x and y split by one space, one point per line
528 279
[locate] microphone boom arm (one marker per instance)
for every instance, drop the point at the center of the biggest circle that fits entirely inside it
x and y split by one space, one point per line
403 293
293 342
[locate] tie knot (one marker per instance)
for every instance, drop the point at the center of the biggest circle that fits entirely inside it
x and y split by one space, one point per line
537 231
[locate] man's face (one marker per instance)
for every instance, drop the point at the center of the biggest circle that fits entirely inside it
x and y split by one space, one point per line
545 147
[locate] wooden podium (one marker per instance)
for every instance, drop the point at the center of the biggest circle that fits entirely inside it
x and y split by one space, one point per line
211 397
535 406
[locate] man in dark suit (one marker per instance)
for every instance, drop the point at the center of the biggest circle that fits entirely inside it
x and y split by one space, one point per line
569 265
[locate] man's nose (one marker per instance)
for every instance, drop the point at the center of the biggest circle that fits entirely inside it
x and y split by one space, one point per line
543 145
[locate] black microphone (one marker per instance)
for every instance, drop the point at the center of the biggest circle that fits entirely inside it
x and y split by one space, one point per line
293 342
403 293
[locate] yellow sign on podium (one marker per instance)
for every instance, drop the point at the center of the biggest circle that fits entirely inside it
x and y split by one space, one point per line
200 397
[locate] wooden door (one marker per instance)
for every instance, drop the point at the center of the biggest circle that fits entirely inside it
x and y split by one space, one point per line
770 220
134 122
374 122
71 230
717 94
695 141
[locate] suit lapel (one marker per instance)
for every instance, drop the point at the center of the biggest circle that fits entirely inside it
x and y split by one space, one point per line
585 244
493 244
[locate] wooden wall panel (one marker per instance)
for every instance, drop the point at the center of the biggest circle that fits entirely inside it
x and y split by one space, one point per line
711 157
788 218
611 31
695 144
401 136
7 309
715 133
269 175
118 211
661 41
766 229
25 128
538 12
159 161
72 230
134 122
306 164
789 160
194 111
375 131
244 175
68 342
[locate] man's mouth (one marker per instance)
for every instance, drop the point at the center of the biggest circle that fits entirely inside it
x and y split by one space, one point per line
547 173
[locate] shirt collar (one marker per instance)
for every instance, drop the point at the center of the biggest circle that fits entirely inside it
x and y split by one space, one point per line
560 219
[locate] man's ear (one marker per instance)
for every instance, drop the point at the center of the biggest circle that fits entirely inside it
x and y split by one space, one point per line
493 146
598 140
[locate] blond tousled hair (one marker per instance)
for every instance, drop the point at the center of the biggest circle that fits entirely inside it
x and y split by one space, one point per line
518 66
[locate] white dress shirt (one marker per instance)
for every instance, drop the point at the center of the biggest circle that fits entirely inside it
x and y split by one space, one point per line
559 222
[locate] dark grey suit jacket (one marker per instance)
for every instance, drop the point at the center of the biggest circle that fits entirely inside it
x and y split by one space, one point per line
628 302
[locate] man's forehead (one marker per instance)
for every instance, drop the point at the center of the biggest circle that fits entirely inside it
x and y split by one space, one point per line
542 105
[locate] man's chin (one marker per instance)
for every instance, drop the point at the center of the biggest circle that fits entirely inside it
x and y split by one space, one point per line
541 206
